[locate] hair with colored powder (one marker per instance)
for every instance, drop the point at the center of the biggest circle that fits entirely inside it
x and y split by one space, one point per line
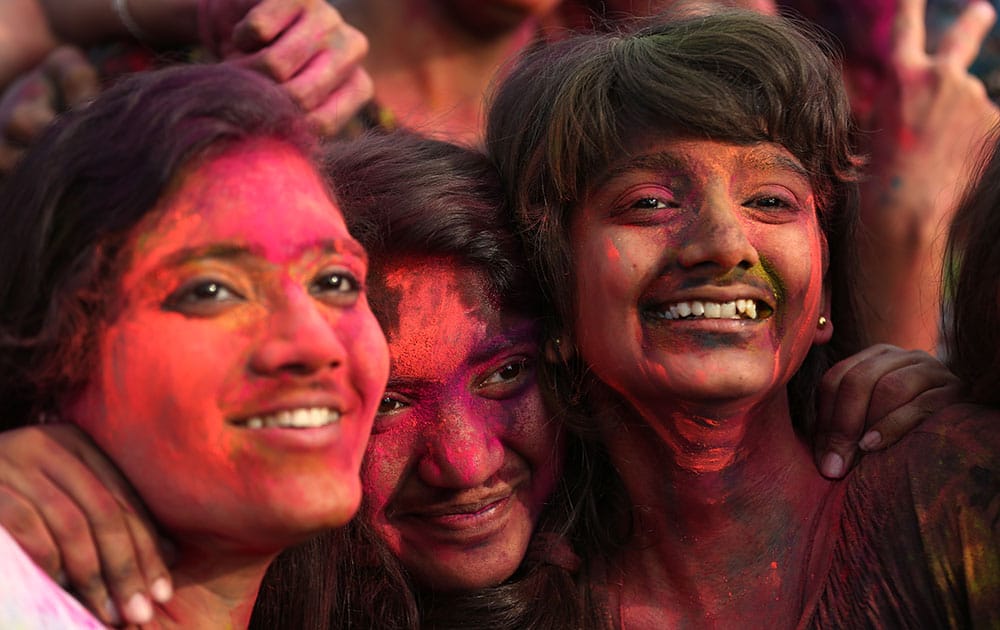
72 202
570 111
404 197
972 312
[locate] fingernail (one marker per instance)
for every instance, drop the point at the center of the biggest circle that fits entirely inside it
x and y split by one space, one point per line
870 441
111 611
138 609
832 466
161 590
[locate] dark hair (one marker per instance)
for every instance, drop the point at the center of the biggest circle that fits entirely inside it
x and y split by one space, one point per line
404 195
972 280
569 111
69 207
407 195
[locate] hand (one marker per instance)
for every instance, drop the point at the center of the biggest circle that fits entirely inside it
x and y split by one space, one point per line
925 131
883 392
65 79
70 509
304 45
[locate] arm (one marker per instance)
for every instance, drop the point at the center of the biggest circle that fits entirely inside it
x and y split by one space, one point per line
73 513
870 400
926 128
31 29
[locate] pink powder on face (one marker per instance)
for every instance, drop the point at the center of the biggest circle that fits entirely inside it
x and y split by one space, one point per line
237 304
462 457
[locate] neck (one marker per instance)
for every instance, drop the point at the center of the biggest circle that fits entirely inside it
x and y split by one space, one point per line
212 590
431 69
724 521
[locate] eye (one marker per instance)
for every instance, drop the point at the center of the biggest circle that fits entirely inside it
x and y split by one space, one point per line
769 202
508 380
202 297
507 373
649 203
338 286
390 404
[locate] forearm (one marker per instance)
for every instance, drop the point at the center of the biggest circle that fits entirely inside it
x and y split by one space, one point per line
30 29
900 287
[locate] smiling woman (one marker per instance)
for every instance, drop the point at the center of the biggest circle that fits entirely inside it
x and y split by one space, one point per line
662 178
157 292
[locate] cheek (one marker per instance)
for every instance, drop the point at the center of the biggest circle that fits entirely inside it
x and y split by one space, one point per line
368 355
387 459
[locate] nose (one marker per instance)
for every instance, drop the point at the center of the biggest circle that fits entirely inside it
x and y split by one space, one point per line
463 449
717 235
299 338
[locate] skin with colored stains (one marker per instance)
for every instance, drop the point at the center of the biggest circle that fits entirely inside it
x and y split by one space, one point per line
235 321
708 225
462 457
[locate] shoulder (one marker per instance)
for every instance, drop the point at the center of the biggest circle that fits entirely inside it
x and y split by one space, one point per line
30 599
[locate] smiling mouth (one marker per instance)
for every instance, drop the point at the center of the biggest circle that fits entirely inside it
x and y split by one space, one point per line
304 418
748 308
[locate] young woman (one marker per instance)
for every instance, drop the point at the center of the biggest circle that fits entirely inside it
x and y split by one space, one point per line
157 290
462 475
687 196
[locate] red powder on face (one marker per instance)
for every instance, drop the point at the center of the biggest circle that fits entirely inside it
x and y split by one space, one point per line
462 457
238 307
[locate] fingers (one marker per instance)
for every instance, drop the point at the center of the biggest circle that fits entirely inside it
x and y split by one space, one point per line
845 396
925 386
65 79
961 43
106 546
26 526
128 553
909 33
74 77
313 53
330 116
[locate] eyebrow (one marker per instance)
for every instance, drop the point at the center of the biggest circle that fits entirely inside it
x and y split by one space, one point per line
523 333
233 251
761 159
651 162
764 160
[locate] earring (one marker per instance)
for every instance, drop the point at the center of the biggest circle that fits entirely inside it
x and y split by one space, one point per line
822 321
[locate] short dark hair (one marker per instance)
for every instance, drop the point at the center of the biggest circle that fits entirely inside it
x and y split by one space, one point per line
69 206
403 194
568 111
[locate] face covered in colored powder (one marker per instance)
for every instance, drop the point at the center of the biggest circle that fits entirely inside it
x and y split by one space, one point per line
462 456
238 380
699 274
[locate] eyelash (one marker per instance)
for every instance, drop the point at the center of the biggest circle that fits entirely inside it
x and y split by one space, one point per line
202 292
341 285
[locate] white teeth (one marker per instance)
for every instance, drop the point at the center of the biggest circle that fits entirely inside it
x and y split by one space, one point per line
295 419
736 309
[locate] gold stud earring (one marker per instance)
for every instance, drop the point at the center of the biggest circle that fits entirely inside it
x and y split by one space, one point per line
822 321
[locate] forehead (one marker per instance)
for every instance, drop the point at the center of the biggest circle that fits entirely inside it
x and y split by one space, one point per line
668 154
442 312
262 194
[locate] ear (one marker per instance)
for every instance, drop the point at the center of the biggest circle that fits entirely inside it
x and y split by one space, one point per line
824 323
559 349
